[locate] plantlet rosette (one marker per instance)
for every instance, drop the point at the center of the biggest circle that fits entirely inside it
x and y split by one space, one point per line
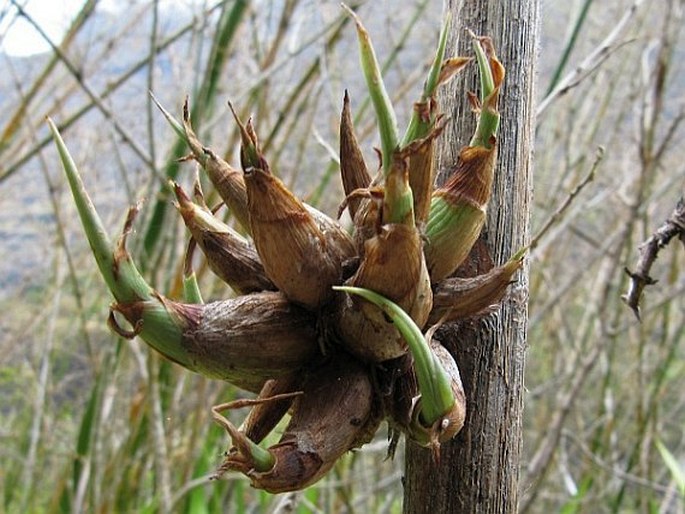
324 316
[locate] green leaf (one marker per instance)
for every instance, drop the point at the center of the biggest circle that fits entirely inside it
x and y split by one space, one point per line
437 397
417 127
385 114
676 469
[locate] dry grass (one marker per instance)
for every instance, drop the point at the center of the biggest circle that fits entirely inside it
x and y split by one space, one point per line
93 423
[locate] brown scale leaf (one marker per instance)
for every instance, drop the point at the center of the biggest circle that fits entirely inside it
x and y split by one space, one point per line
353 170
227 180
228 255
334 414
450 67
393 266
303 260
245 340
422 170
457 298
263 417
473 176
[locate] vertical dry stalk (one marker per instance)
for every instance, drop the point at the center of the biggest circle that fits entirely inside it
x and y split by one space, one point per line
478 471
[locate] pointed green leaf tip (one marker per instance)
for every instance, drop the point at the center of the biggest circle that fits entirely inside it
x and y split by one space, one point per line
437 398
491 75
121 276
175 124
417 127
155 324
432 81
487 82
387 122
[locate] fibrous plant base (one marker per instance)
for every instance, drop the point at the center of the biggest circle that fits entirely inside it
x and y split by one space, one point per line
333 328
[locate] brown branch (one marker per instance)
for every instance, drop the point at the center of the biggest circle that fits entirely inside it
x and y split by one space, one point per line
649 251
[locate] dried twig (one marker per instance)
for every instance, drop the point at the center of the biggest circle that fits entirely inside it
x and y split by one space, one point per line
559 213
592 61
78 77
649 251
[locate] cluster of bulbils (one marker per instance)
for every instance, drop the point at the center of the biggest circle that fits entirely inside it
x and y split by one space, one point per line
329 327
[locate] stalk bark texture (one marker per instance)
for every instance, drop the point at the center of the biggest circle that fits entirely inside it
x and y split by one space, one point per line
478 471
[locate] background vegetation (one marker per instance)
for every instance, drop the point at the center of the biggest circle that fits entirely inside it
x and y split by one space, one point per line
92 423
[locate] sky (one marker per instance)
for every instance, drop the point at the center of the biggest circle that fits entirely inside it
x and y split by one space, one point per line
19 38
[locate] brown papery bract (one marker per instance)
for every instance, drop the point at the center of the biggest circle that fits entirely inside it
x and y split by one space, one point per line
303 260
247 340
228 254
353 170
227 180
334 414
473 176
394 267
458 298
263 417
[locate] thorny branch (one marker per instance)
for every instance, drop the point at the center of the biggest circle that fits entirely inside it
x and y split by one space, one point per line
649 251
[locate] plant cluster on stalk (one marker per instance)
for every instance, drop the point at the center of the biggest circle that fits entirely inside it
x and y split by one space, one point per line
334 329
